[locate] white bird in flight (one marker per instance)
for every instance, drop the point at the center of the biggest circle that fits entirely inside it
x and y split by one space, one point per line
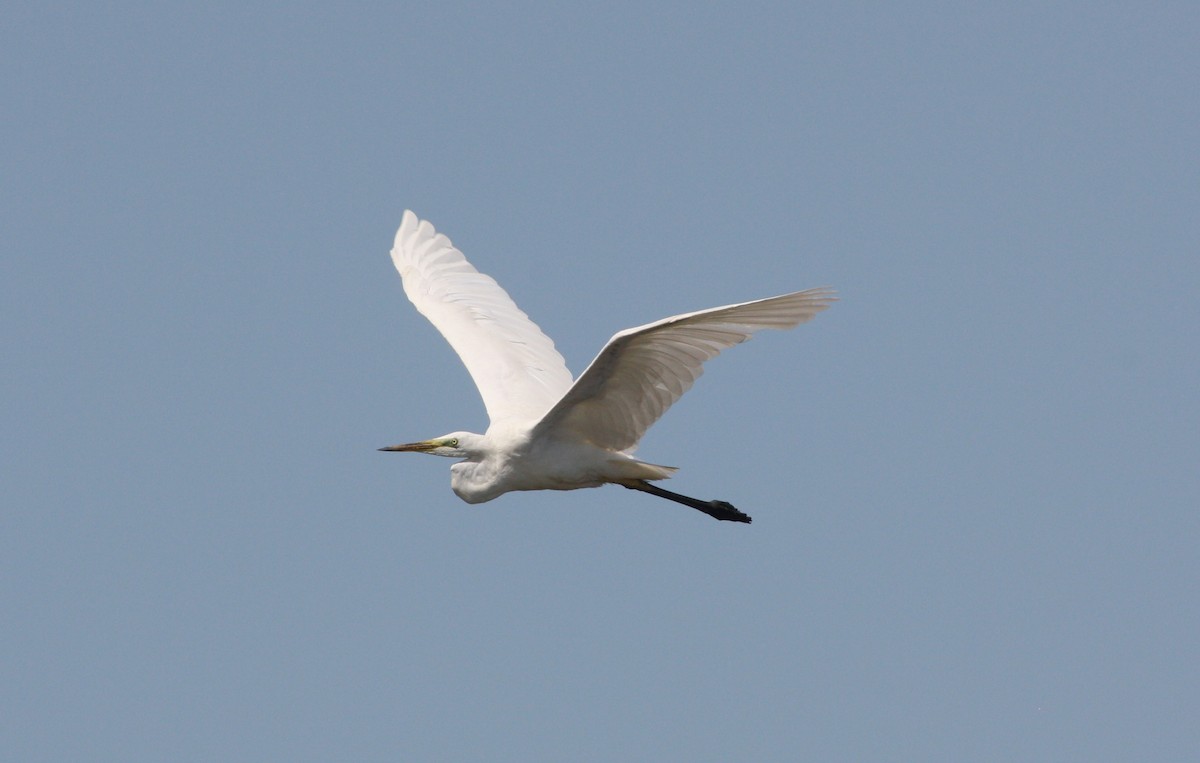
547 431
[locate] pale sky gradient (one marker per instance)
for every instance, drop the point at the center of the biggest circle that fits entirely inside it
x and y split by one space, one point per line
975 480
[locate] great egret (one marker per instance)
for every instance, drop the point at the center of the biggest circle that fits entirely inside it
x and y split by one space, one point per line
548 432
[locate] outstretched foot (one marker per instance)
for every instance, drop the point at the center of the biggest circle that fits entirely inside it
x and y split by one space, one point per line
722 510
726 511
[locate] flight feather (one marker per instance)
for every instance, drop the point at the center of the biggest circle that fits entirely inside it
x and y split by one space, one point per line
642 371
519 373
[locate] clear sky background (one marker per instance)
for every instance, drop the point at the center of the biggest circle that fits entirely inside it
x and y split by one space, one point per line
975 481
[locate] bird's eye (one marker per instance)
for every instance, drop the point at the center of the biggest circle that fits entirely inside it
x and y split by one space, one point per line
453 443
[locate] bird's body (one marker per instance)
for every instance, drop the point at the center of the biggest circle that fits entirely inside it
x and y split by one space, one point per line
513 459
547 431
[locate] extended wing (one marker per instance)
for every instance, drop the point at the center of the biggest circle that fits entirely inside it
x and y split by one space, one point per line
515 366
642 371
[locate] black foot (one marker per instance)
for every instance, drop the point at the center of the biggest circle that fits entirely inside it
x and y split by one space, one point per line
726 511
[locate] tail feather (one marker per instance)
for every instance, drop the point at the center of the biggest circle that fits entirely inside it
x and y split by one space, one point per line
633 469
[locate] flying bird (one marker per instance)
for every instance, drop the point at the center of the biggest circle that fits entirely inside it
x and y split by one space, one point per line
548 431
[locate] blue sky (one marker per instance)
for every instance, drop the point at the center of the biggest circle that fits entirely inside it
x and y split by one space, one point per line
974 479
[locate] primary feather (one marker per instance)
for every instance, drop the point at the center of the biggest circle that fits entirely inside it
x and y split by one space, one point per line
642 371
515 366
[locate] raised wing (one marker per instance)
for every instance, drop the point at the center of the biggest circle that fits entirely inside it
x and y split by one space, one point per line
642 371
515 366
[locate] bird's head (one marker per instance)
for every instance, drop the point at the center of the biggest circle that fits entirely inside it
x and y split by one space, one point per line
453 445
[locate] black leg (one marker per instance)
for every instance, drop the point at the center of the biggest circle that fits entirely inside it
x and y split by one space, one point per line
715 509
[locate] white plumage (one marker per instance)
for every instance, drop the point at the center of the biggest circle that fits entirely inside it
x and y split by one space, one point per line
515 366
546 431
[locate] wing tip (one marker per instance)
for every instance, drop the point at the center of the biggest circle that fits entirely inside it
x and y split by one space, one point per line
409 222
821 297
412 233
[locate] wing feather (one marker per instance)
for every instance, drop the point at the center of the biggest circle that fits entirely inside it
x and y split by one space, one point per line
515 366
642 371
